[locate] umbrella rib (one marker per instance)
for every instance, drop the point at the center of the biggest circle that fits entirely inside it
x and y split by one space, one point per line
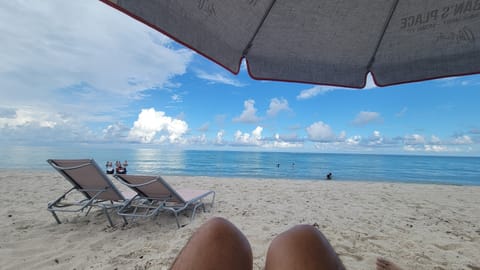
249 44
370 63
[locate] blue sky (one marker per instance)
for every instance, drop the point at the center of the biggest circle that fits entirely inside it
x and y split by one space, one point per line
82 72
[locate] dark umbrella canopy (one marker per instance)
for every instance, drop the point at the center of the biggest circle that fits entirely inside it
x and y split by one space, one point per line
333 42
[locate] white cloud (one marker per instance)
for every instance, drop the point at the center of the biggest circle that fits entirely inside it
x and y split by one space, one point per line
418 143
408 148
283 142
247 139
36 126
457 81
255 138
218 78
376 138
463 139
354 140
320 89
154 127
370 82
435 148
320 131
364 117
249 113
198 140
414 139
20 118
80 58
176 98
277 106
314 91
435 140
243 65
116 132
219 138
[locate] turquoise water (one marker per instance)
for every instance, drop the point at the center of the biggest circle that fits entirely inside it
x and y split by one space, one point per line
391 168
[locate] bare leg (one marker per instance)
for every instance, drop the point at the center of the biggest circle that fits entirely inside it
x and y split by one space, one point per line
386 264
217 244
302 247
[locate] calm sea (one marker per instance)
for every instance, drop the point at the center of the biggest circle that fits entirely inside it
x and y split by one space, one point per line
356 167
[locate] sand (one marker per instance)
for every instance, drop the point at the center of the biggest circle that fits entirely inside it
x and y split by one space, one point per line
418 226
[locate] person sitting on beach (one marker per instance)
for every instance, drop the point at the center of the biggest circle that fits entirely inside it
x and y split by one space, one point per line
109 166
219 245
120 169
329 176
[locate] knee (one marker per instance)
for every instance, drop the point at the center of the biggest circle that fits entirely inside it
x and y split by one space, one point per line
305 228
217 244
221 230
304 246
298 233
219 222
219 225
226 241
308 231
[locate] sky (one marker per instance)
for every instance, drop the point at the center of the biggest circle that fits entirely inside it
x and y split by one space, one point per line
81 72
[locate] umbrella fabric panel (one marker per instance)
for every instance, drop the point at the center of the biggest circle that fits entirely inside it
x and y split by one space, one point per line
335 42
429 39
219 30
331 42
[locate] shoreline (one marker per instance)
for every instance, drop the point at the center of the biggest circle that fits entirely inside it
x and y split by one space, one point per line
419 226
48 169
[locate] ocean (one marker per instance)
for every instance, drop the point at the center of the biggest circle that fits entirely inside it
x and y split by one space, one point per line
250 164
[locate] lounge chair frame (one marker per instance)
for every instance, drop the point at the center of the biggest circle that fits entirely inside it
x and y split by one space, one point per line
172 200
94 197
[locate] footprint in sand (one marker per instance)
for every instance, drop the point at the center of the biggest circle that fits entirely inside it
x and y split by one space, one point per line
448 246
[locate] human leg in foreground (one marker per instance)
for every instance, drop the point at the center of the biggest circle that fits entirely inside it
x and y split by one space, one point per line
386 264
217 244
302 247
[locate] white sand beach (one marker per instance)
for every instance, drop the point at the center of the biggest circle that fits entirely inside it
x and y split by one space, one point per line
418 226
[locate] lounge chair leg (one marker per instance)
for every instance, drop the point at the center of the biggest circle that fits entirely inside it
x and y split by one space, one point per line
195 210
193 215
108 216
88 211
176 218
125 222
56 217
155 215
213 200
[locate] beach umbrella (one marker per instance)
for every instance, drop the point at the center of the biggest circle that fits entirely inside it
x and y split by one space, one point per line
331 42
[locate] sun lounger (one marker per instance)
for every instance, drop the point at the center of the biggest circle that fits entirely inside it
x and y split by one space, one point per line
87 178
156 191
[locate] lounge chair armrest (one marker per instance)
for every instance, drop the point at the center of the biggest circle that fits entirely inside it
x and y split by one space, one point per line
68 168
83 203
61 197
99 191
135 185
